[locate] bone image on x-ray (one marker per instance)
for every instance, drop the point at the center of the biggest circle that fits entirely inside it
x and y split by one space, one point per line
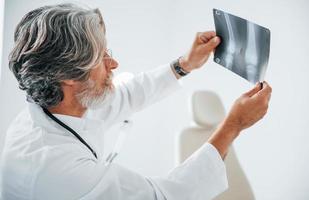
244 47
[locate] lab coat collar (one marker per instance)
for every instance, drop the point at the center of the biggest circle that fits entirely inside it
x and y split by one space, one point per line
77 124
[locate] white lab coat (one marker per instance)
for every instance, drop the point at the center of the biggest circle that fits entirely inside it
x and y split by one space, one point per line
41 160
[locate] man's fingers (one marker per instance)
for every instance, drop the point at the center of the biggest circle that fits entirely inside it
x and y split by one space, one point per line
204 37
207 40
263 95
265 91
212 44
253 91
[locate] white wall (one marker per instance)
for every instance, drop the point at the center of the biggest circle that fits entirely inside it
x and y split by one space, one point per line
144 34
1 29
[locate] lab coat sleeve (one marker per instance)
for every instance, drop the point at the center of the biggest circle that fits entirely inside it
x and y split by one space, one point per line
136 93
67 172
201 177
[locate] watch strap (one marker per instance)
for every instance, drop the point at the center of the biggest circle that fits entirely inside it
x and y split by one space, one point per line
178 69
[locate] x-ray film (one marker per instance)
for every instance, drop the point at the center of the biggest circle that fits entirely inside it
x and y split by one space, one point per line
244 47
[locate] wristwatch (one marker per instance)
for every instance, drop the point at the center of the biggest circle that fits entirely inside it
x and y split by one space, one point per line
178 69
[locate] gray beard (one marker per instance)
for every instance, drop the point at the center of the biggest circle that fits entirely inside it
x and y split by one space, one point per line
89 99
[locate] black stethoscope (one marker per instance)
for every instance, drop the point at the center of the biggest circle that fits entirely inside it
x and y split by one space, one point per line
118 145
58 121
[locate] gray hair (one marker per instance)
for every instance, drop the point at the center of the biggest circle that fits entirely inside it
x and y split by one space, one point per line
56 43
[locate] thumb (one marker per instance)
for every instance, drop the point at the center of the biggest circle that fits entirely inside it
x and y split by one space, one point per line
254 90
212 44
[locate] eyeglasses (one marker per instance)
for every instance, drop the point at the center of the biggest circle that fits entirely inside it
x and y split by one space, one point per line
108 53
108 56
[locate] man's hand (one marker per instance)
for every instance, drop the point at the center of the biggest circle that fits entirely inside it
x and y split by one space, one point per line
203 45
246 111
250 107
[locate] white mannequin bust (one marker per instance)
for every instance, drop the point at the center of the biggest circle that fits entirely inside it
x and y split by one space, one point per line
207 112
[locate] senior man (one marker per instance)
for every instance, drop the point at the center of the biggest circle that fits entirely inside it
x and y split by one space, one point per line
54 147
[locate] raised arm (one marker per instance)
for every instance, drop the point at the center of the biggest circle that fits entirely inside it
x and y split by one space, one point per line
150 87
247 110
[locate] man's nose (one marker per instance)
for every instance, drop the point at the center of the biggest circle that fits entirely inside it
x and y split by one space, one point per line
113 64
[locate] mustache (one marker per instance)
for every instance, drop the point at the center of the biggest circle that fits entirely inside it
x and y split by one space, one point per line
109 80
110 76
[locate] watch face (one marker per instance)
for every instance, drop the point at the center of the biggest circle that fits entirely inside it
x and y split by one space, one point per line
244 47
180 71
